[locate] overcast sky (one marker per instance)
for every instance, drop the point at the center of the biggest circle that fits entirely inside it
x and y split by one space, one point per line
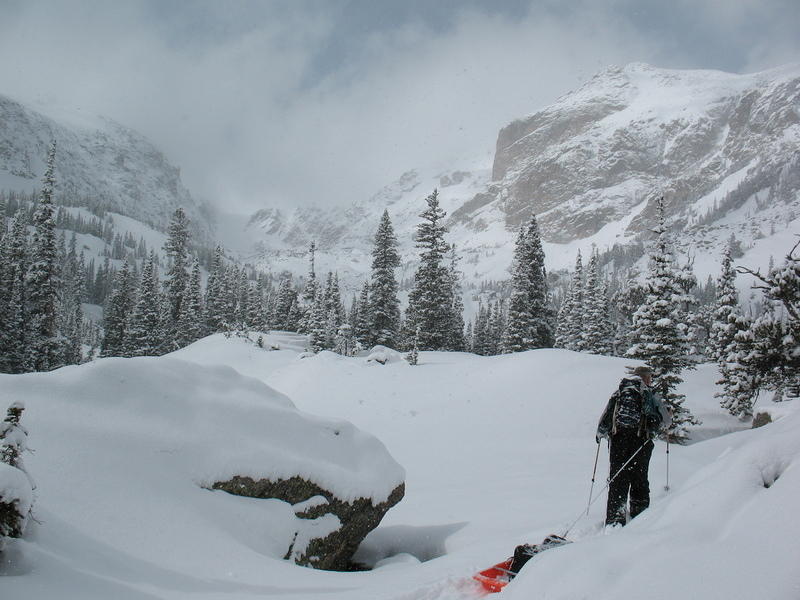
277 103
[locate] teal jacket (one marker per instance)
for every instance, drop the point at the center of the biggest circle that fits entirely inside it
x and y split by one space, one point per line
654 413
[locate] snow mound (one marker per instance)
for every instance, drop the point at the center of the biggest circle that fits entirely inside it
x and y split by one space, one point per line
384 355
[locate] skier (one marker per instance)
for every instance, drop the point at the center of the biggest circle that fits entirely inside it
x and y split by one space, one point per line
630 421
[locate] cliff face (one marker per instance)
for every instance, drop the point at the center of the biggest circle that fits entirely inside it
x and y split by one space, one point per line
97 159
723 149
631 134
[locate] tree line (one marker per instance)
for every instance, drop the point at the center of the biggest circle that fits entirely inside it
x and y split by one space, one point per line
666 318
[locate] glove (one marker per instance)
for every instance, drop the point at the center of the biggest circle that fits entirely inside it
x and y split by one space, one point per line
597 438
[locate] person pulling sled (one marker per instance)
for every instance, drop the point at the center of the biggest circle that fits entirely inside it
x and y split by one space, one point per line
632 418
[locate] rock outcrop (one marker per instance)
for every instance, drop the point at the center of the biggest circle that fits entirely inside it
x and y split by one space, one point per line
335 550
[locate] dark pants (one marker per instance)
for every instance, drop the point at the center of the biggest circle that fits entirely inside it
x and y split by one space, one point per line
633 478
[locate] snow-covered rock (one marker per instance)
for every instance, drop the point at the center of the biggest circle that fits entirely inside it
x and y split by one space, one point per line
383 355
174 428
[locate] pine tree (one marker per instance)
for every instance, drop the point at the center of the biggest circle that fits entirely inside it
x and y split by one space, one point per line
569 332
773 361
384 306
45 347
429 300
243 301
361 327
13 314
529 314
597 334
216 316
722 327
144 332
317 323
287 298
310 290
190 321
519 334
177 249
740 385
70 312
117 313
658 335
626 301
13 442
456 341
413 356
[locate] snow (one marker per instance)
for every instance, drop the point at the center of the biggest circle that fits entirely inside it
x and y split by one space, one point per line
496 451
15 488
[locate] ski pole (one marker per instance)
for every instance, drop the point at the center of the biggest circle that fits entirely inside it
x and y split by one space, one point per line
594 471
666 487
608 483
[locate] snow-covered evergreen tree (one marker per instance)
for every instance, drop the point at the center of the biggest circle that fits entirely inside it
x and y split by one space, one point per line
774 359
13 443
456 341
625 302
384 306
429 301
597 334
13 315
144 332
722 327
569 331
177 249
658 333
413 355
286 300
519 333
45 348
190 321
361 326
70 312
317 324
117 313
740 385
309 291
216 316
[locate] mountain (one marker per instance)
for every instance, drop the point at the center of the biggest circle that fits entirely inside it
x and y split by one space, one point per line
98 161
722 148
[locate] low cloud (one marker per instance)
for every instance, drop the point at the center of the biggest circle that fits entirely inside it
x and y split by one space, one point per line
239 101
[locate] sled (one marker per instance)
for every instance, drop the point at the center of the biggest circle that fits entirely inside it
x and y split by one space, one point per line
495 578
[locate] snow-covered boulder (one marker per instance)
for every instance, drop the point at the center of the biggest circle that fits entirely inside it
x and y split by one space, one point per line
383 355
178 430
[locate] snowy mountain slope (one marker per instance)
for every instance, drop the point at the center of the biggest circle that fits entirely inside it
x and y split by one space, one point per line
722 148
496 450
97 158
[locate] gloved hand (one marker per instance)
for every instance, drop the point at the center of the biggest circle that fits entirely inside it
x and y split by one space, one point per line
597 438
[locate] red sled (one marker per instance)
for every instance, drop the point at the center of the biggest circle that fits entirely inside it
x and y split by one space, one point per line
495 578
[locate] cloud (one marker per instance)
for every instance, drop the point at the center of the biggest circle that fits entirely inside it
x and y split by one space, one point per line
284 103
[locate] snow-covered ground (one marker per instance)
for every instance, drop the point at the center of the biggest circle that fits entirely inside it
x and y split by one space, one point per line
496 451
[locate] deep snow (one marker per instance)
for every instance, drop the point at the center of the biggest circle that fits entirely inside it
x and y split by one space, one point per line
496 451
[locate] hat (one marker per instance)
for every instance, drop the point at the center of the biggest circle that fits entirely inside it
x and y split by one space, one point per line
641 371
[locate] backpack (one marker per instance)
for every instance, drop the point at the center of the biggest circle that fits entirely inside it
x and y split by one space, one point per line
629 408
